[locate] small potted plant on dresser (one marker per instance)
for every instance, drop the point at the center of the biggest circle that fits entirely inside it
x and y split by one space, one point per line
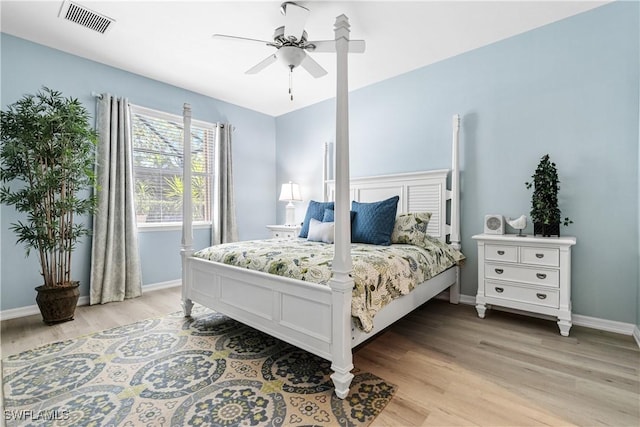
545 213
47 159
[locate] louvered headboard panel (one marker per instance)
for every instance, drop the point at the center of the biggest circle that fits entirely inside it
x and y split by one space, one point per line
418 192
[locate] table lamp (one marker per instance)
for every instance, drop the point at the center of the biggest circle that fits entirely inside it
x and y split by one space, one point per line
290 193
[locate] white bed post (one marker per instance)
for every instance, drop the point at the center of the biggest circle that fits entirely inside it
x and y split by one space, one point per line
325 172
455 189
187 210
341 283
454 237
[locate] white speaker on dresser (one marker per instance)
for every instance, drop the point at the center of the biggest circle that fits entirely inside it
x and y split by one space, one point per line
494 224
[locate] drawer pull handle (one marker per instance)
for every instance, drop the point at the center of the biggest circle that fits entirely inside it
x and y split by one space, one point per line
499 290
541 296
541 275
500 252
499 270
539 256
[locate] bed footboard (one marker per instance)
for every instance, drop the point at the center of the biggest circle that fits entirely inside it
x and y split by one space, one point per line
295 312
316 318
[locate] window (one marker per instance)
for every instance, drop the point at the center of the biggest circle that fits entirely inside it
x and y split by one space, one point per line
158 163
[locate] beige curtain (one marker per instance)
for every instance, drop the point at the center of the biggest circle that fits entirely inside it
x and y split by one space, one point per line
115 260
224 227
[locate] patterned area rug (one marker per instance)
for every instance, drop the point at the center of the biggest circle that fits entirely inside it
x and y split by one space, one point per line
207 370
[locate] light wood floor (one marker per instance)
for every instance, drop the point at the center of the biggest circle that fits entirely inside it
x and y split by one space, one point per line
451 367
28 332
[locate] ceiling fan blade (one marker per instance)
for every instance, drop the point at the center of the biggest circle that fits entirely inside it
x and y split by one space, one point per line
312 67
262 64
238 39
355 46
295 18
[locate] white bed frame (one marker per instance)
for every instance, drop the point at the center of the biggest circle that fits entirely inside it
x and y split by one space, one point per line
317 318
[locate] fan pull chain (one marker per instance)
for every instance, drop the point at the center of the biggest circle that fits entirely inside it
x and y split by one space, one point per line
291 82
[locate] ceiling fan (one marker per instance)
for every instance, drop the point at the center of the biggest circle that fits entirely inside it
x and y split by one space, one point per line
290 41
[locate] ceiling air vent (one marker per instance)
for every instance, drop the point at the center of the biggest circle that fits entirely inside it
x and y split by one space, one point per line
86 17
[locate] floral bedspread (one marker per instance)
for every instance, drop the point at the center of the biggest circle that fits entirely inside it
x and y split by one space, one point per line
380 273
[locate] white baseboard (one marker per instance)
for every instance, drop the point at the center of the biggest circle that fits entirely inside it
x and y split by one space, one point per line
603 324
467 299
578 320
30 310
161 285
464 299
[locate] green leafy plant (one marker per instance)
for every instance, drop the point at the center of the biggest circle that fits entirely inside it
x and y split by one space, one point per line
47 159
175 190
544 201
143 198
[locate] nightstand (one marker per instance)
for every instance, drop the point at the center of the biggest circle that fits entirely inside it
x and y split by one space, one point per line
284 231
526 273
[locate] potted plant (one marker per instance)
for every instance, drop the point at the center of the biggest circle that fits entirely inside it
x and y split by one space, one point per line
47 160
545 213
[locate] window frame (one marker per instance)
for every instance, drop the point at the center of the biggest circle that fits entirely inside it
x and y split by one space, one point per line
176 225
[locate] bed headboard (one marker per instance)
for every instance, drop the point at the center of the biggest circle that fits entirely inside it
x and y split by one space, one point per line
418 192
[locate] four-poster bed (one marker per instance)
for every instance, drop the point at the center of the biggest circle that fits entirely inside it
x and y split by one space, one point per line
317 317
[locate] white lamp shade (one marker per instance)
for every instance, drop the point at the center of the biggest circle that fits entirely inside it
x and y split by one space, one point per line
290 56
290 192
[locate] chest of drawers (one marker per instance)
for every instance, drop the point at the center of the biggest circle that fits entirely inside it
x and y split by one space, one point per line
526 273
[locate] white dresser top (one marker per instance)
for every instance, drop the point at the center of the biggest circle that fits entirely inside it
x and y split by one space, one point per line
561 241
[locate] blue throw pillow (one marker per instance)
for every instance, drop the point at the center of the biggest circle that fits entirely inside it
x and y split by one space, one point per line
374 222
329 215
314 210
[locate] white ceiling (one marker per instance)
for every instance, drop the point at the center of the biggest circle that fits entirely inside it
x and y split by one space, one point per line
171 41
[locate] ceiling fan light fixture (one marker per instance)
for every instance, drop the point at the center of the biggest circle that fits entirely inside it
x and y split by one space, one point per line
290 42
290 56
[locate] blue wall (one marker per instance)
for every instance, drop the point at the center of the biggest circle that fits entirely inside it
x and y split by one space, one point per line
569 89
26 67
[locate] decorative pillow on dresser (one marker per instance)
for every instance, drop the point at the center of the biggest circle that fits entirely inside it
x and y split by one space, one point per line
315 210
411 228
373 222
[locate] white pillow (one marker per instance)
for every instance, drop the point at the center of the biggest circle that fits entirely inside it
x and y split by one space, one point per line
321 231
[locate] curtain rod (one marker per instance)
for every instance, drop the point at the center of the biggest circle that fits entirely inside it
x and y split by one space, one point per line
99 96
